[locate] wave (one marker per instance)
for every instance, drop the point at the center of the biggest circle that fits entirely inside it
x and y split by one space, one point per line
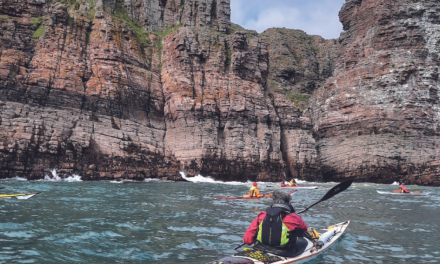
201 179
17 178
54 177
395 183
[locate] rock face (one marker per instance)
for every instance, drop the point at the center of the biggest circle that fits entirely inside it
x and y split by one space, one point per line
299 64
142 89
157 15
81 97
219 120
378 118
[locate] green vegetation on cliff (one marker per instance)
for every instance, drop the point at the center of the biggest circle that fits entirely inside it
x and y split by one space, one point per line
120 12
39 25
298 99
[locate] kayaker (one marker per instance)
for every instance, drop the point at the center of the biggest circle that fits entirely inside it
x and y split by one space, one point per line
266 228
254 192
283 184
293 182
402 188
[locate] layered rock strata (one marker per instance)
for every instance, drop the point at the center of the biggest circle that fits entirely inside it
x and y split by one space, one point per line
219 120
120 89
82 97
378 118
299 64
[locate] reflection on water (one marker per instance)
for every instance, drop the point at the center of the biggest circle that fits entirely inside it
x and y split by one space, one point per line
166 222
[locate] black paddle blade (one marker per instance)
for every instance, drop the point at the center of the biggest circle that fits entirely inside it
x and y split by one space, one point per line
332 192
337 189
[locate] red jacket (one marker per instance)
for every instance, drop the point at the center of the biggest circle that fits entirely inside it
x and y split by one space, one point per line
292 221
403 188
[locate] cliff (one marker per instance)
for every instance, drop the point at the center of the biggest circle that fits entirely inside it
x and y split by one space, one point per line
142 89
378 118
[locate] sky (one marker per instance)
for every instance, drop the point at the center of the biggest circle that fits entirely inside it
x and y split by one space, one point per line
315 17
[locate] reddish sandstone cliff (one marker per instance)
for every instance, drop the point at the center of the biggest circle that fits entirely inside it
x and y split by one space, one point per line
121 89
378 119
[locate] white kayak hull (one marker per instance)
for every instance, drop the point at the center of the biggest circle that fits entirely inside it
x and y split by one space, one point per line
328 237
300 187
403 194
20 196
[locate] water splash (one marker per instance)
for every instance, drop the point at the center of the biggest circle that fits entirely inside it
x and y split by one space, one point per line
18 178
395 183
73 178
201 179
54 177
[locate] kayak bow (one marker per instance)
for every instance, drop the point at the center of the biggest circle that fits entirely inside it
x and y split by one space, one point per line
244 197
20 196
312 249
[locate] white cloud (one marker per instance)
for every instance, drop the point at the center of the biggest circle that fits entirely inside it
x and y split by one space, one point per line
315 17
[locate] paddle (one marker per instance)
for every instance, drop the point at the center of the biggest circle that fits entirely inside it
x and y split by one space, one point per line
332 192
396 191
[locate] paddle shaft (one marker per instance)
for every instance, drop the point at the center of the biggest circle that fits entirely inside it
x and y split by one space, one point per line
332 192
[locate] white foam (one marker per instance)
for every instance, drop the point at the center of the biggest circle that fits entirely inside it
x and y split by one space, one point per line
154 180
73 178
201 179
17 178
300 181
395 183
116 181
54 177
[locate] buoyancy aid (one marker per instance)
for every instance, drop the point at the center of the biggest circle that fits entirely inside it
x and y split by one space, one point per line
254 192
403 189
272 231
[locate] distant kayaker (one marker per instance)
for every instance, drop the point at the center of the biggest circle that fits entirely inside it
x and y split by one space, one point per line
254 192
402 188
283 184
268 230
292 182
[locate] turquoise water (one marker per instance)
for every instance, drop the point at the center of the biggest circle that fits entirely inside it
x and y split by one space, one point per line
168 222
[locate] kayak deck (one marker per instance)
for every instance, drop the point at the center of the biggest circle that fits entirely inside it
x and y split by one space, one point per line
247 197
404 194
328 237
20 196
300 187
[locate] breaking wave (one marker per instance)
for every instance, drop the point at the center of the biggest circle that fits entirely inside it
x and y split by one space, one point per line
54 177
201 179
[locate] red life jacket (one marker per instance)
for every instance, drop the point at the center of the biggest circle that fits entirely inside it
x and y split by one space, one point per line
403 188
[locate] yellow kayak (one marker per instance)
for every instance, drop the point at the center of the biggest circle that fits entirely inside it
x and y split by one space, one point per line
21 196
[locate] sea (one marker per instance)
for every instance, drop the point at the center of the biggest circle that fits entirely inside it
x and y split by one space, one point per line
75 221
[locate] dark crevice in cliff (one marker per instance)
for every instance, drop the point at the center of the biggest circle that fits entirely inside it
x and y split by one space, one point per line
228 57
214 14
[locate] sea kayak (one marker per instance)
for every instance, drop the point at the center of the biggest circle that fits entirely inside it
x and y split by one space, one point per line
300 187
21 196
309 249
398 193
247 197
